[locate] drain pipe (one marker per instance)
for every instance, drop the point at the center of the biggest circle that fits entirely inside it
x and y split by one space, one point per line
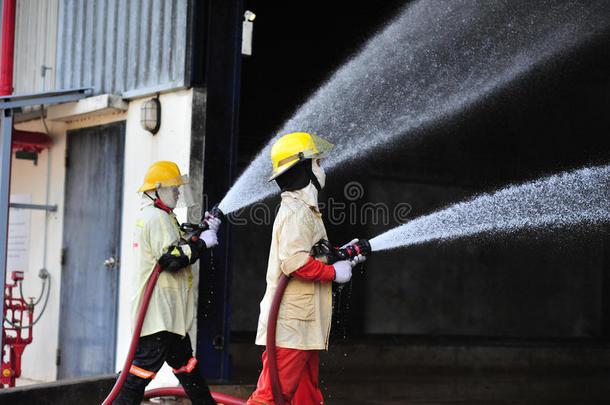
8 47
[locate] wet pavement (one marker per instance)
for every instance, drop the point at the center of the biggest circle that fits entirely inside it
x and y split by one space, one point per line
465 388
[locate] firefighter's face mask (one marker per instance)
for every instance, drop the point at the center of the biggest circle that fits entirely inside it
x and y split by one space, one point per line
176 196
318 171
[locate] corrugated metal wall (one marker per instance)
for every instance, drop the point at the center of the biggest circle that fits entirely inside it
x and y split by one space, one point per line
127 47
35 45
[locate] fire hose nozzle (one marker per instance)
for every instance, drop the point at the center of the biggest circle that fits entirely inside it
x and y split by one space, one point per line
362 247
194 230
216 212
329 254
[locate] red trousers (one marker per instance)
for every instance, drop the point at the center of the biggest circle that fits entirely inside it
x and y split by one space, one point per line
298 373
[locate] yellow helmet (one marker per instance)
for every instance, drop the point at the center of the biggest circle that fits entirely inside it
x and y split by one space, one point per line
162 174
292 148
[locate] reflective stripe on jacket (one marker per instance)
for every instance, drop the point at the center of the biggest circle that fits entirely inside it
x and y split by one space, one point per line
171 306
305 312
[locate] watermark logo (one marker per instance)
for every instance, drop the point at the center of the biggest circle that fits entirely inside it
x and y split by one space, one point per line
352 209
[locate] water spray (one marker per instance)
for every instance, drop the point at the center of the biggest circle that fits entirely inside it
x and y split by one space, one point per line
563 200
435 61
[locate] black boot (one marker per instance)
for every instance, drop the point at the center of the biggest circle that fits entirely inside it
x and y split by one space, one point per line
195 387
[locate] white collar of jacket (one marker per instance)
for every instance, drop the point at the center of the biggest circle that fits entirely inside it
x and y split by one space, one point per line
308 195
145 201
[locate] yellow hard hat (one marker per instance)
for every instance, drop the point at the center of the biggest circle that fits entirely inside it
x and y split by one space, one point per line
162 174
292 148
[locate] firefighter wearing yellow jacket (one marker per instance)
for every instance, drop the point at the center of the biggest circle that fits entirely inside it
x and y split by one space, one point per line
157 239
305 312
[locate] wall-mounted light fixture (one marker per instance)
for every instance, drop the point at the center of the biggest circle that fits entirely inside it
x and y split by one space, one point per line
150 115
246 34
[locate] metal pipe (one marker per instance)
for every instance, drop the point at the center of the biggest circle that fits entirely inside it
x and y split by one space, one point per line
52 208
8 47
5 186
48 191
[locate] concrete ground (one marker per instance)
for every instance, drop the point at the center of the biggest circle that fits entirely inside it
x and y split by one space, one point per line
393 373
473 388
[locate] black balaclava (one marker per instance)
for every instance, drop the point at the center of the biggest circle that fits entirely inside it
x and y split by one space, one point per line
297 177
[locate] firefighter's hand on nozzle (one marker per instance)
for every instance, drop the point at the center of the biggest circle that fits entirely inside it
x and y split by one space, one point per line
343 271
210 238
357 260
213 222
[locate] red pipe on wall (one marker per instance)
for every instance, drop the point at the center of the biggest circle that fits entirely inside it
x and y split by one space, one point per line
8 47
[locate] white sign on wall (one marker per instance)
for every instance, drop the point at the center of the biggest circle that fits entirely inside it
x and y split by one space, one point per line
18 235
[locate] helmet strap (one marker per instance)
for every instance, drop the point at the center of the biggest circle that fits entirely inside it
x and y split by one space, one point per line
158 203
314 180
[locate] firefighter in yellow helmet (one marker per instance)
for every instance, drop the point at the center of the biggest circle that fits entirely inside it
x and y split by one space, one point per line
158 239
304 320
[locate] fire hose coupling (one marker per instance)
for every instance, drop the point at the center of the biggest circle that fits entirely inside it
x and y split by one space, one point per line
325 252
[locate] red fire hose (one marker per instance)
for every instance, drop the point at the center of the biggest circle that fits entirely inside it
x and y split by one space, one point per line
132 350
276 386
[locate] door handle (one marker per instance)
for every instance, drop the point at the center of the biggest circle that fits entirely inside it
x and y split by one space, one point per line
110 262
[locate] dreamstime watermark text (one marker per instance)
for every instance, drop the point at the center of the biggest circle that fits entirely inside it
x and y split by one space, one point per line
352 209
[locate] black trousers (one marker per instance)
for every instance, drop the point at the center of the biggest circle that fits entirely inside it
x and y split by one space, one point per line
151 353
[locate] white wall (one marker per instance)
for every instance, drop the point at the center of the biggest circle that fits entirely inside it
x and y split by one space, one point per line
172 142
38 361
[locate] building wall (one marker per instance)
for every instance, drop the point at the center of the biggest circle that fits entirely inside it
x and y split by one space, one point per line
172 142
126 47
26 178
35 45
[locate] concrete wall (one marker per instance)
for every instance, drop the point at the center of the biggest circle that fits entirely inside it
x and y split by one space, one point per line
172 142
26 178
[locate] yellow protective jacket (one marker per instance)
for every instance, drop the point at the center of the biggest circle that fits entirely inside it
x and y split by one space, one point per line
171 305
305 312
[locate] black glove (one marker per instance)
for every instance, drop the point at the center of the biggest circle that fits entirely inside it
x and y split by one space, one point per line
174 259
197 247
